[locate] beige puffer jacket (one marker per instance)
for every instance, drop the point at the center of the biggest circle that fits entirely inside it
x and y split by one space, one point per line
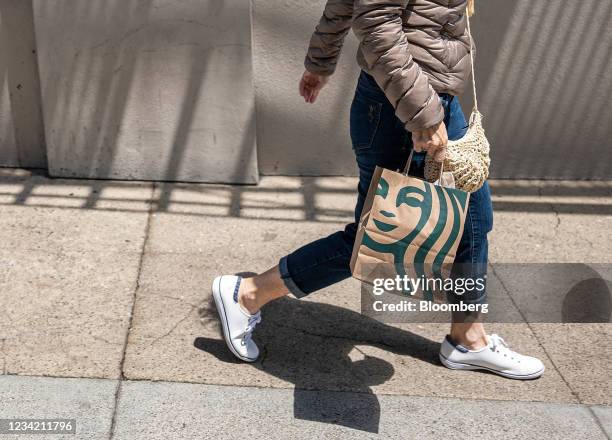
414 49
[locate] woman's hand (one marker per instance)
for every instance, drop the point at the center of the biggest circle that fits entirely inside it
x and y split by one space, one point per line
433 140
311 84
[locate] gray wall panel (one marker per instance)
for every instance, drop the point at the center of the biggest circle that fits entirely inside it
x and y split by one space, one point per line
163 89
22 140
544 79
148 89
294 137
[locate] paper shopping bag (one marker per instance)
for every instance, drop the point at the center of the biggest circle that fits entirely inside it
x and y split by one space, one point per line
408 227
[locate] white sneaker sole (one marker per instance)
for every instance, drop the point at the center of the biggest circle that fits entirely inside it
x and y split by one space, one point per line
459 366
216 291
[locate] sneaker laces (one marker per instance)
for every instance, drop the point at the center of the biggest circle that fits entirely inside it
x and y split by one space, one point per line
500 346
248 330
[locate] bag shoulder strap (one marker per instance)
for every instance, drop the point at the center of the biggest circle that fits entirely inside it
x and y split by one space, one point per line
472 63
409 161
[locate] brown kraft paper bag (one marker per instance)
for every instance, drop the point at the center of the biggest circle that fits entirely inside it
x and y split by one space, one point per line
410 227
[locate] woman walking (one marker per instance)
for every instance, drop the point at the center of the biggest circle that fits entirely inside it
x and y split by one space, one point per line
415 60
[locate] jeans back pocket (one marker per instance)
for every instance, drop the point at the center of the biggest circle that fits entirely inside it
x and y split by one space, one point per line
364 121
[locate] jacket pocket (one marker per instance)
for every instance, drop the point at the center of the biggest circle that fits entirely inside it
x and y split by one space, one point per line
364 121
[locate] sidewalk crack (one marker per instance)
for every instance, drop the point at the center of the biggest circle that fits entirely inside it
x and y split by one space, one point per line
264 355
554 209
179 322
2 344
345 338
143 249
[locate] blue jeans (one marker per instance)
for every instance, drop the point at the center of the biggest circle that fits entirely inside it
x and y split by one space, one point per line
380 139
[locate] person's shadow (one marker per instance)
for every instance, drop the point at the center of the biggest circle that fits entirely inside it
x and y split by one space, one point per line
308 344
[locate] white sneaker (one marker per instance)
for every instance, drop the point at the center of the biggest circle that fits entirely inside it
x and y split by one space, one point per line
495 357
238 324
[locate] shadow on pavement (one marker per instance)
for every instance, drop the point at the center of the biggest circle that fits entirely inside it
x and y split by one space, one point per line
316 347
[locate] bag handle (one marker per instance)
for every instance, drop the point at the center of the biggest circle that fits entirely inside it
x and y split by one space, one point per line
409 161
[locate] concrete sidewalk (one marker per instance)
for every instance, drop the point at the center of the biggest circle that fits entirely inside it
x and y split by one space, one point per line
147 410
108 283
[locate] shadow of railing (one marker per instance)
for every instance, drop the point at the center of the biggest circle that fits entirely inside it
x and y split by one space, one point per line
562 197
313 199
282 199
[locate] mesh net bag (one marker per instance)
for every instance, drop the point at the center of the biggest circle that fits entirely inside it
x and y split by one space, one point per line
466 158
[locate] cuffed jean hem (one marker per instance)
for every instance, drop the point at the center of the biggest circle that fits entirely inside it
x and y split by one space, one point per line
286 277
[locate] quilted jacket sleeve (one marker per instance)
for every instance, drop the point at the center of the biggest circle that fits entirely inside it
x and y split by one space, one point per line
328 37
378 25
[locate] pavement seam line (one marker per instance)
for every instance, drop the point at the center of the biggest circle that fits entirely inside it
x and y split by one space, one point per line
535 335
266 387
597 421
263 388
145 241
